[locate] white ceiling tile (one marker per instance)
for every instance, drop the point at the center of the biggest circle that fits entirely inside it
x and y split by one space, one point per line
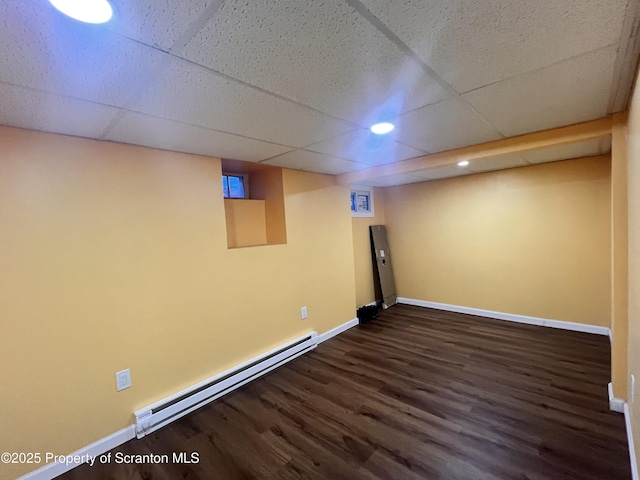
314 162
547 63
192 94
139 129
564 152
43 49
321 54
392 180
366 147
49 112
472 43
442 172
444 126
497 163
569 92
159 23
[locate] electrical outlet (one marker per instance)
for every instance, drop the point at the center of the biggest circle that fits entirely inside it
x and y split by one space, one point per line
123 379
303 313
633 388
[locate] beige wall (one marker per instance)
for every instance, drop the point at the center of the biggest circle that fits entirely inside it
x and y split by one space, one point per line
266 184
633 153
530 241
619 257
363 265
245 220
116 257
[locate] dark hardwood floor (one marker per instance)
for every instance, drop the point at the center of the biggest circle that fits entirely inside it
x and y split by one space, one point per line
416 394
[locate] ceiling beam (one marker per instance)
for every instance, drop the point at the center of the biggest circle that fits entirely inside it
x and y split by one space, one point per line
580 132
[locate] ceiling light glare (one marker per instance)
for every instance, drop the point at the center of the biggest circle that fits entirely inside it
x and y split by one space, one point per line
87 11
382 128
463 163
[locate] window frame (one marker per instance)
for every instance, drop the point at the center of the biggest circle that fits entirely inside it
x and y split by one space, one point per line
245 184
360 193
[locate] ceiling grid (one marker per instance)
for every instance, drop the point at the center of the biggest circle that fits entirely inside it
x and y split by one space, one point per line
298 83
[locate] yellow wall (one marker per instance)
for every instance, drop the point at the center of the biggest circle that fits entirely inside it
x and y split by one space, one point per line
633 153
530 241
619 257
245 220
114 256
266 184
362 250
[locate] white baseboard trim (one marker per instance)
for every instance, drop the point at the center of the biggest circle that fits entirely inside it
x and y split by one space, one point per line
323 337
632 450
52 470
510 317
615 404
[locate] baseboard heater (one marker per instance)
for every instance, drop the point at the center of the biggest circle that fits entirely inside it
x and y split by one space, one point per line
161 413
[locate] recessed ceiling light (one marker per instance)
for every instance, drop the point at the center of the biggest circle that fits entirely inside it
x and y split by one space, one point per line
463 163
88 11
382 128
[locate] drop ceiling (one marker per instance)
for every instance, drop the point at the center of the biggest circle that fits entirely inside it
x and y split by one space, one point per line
297 83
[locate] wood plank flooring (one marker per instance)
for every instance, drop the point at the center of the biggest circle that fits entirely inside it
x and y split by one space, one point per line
416 394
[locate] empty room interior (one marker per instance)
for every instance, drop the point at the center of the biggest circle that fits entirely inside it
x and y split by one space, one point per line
186 194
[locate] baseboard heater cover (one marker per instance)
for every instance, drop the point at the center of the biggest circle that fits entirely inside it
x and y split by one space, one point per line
153 417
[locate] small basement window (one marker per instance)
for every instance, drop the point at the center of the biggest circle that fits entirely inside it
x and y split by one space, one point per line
253 204
235 186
